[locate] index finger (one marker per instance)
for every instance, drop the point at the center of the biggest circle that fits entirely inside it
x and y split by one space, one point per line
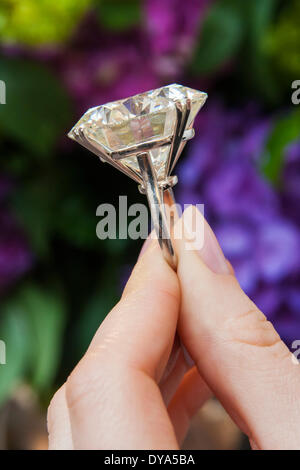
113 394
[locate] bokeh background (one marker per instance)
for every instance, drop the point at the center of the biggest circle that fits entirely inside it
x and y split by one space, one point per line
57 280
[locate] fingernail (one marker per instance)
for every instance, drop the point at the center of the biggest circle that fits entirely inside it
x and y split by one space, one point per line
209 249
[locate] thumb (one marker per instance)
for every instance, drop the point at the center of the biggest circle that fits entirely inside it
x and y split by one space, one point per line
237 351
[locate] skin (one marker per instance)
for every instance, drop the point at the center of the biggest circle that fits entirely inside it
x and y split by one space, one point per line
137 386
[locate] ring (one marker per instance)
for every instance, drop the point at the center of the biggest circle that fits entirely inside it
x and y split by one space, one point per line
143 137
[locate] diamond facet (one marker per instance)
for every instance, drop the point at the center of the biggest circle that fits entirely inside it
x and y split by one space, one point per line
178 93
139 120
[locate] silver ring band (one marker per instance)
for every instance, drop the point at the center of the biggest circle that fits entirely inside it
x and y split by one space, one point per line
158 199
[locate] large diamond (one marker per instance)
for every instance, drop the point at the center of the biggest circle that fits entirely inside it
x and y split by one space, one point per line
144 118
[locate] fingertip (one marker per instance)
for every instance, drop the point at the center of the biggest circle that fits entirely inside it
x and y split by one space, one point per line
152 269
58 422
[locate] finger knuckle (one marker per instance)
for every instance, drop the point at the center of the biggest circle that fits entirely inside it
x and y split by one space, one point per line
159 292
81 381
92 379
251 327
244 322
169 293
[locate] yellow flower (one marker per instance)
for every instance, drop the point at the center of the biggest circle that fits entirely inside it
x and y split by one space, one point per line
37 22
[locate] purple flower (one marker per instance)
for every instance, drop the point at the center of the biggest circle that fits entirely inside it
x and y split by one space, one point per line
100 66
238 191
291 181
277 250
101 76
257 226
172 27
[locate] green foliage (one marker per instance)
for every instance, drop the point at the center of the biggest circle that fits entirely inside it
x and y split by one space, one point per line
96 309
39 21
119 14
283 39
220 38
37 108
234 31
258 16
35 205
45 312
47 212
31 326
285 131
14 332
76 221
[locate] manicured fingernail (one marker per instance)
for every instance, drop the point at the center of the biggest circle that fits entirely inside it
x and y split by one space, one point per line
209 248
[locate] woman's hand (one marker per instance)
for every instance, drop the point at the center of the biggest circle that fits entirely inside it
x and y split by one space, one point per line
135 388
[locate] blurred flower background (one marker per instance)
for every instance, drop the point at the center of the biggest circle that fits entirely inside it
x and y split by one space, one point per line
57 280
